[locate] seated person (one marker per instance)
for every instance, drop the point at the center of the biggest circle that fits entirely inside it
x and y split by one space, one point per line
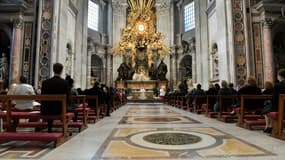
24 89
223 91
249 89
279 88
54 86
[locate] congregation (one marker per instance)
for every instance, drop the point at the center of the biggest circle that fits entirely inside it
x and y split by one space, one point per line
249 88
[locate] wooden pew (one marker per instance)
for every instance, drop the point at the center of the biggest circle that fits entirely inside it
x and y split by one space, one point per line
189 104
197 103
226 103
32 136
94 111
81 108
209 105
277 119
245 113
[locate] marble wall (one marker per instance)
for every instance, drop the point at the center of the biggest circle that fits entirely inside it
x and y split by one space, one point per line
70 39
214 27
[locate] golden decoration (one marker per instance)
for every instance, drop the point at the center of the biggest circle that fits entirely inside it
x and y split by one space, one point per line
141 32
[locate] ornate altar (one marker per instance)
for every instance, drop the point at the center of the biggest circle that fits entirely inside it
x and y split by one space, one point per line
136 86
141 47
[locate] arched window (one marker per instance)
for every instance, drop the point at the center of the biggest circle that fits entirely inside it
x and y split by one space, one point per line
93 15
189 16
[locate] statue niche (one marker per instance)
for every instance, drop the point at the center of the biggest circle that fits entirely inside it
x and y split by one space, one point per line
214 63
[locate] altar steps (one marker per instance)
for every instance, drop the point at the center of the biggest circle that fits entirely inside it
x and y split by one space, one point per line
138 101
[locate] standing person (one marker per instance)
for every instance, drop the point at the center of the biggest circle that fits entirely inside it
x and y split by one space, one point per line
183 87
109 99
54 85
24 89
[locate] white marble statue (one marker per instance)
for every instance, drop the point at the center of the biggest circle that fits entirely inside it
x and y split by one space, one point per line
3 67
140 76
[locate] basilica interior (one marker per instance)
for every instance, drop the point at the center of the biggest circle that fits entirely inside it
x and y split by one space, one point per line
152 79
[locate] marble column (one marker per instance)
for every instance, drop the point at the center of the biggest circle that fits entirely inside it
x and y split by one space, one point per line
16 54
268 51
171 86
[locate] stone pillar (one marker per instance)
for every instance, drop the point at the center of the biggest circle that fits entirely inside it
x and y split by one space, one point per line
268 51
16 54
180 20
171 84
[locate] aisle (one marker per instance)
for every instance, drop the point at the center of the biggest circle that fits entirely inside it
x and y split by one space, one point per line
150 132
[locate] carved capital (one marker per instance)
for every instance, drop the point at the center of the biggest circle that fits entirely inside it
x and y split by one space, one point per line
163 8
18 22
267 23
118 8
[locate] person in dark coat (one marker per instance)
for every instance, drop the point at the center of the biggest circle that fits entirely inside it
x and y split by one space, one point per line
231 87
278 89
54 85
268 88
94 91
250 89
212 92
198 92
183 87
223 91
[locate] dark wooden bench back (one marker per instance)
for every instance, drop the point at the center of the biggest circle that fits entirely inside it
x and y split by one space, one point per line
7 99
259 99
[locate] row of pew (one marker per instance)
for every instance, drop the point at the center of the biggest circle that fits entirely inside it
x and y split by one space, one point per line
13 120
244 115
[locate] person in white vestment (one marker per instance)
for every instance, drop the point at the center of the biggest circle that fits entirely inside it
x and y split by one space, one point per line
24 89
142 95
161 93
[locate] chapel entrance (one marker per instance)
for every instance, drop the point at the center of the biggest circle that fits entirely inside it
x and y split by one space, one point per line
96 69
5 44
185 68
279 51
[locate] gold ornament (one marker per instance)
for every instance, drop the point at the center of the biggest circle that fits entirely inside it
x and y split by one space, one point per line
141 32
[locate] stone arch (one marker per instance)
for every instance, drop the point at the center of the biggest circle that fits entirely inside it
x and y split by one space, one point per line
185 68
7 30
97 68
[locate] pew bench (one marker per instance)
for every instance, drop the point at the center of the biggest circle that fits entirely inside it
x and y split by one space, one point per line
41 125
17 136
247 114
277 127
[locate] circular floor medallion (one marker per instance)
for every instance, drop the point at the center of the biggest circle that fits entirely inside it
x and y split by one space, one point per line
172 138
193 140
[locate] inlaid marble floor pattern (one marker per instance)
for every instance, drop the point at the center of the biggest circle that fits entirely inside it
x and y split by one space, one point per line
159 132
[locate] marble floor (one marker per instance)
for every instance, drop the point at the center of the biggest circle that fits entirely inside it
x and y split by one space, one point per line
159 132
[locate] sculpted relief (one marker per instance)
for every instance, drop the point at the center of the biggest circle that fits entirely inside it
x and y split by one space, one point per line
214 62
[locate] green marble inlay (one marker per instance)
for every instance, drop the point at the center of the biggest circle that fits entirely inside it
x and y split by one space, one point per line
172 138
